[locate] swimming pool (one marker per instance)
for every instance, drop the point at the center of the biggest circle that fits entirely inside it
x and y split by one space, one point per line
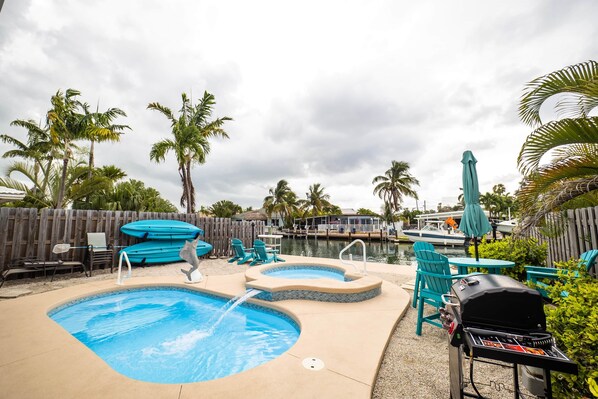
167 335
304 271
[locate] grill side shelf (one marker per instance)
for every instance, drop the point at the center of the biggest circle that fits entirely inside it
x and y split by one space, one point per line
512 351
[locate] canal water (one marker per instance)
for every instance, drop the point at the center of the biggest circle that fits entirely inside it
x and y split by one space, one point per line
382 252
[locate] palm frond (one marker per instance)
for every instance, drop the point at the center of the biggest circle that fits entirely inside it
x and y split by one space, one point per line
552 135
14 184
164 110
552 200
580 78
160 149
546 179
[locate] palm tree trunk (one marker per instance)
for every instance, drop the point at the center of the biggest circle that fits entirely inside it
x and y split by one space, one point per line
65 164
91 158
183 176
190 190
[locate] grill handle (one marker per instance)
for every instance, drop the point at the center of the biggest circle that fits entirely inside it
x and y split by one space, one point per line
448 302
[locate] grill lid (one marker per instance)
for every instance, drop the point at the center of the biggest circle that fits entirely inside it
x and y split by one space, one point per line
499 302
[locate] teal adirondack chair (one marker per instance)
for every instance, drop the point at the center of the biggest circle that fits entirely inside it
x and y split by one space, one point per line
535 274
436 280
242 254
264 255
419 246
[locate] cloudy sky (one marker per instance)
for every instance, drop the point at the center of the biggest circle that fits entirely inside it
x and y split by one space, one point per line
323 92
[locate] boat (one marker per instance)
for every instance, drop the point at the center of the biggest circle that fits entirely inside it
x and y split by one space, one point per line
161 251
434 234
162 230
506 226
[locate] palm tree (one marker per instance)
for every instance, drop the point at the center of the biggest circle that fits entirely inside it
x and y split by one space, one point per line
66 126
573 141
317 201
282 200
395 184
100 128
191 132
44 189
39 148
224 209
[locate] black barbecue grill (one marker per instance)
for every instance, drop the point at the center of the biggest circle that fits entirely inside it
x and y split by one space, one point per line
496 317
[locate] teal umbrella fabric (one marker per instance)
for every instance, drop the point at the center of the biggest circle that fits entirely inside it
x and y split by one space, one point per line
474 222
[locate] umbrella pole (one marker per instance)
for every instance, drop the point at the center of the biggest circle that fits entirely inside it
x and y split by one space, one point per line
477 255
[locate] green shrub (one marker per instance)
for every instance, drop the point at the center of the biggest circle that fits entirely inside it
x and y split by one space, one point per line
522 251
573 320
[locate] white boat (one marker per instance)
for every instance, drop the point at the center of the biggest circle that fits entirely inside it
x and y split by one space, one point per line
435 235
506 226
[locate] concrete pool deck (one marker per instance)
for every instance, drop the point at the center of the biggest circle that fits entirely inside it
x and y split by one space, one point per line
39 359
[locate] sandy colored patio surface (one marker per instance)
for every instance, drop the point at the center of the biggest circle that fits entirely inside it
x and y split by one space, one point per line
412 366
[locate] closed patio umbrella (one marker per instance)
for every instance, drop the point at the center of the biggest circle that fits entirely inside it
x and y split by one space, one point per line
474 222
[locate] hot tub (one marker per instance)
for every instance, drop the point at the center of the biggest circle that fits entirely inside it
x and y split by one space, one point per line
311 281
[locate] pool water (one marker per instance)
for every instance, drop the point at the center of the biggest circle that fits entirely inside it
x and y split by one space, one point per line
167 335
308 272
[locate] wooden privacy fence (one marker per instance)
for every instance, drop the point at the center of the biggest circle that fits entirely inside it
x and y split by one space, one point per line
31 233
569 233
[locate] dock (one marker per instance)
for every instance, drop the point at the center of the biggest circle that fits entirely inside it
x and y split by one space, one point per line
347 236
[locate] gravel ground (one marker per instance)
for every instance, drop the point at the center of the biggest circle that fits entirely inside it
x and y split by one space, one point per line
413 366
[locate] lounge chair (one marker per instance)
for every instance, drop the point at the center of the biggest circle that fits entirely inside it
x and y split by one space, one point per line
241 254
264 255
436 281
535 274
419 246
33 265
98 252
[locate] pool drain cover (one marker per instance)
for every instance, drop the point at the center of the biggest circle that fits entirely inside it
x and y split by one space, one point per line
311 363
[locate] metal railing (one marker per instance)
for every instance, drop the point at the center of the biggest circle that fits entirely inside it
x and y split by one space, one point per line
340 257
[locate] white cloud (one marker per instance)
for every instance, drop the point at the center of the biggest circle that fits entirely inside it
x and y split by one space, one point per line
320 92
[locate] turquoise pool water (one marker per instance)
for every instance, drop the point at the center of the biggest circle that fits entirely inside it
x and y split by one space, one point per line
170 335
308 272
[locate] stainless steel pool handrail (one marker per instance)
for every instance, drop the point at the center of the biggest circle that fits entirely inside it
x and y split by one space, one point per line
120 281
340 256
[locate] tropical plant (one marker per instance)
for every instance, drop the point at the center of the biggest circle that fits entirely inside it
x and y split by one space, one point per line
317 202
395 184
409 215
100 127
67 125
44 188
191 132
102 199
224 209
38 149
132 195
521 251
498 202
572 320
366 212
283 200
573 141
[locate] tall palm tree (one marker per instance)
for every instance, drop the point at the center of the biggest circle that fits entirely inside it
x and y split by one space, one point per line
395 184
66 125
282 200
38 149
573 142
191 132
317 201
100 127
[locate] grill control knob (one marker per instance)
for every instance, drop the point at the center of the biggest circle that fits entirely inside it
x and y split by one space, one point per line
452 327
